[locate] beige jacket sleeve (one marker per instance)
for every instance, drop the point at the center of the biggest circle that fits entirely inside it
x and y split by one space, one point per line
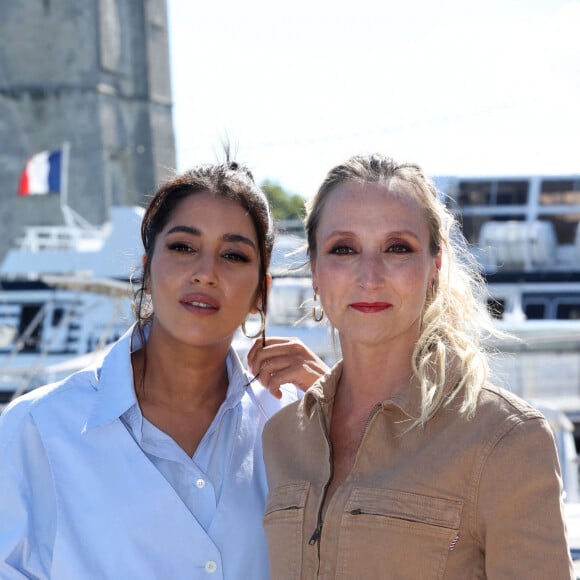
519 511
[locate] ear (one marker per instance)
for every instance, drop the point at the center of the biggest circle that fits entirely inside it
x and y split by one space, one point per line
438 259
258 303
437 264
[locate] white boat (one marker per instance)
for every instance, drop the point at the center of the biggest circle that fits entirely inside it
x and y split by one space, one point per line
525 233
64 296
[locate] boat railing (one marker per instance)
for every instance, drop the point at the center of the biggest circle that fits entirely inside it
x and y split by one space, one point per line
42 238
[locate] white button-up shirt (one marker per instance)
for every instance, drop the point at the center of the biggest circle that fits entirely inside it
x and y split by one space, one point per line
90 489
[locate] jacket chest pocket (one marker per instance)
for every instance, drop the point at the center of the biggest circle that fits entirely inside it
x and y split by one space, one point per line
284 523
396 535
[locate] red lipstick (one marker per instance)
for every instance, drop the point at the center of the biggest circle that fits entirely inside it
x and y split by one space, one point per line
370 307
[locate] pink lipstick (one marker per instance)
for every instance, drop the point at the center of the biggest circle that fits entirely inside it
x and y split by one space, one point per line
200 303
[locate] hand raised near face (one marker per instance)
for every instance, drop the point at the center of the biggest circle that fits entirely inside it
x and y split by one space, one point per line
284 360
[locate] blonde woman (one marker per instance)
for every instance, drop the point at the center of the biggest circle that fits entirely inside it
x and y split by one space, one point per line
405 461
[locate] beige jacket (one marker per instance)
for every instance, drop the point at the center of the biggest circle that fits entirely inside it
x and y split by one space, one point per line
458 500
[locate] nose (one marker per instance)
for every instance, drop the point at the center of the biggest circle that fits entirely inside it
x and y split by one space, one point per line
371 271
204 271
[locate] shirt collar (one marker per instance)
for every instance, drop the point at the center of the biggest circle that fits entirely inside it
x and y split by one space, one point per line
116 392
238 378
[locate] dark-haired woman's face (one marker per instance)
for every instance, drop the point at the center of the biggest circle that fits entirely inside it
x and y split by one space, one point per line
205 269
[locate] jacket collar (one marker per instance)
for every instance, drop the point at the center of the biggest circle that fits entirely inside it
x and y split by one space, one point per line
407 400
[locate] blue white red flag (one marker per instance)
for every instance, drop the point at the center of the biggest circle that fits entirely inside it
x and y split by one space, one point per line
42 174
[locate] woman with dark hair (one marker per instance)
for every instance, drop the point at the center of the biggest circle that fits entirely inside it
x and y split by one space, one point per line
149 464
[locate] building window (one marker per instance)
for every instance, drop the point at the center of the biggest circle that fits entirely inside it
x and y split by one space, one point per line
503 192
560 192
474 193
535 310
511 193
568 310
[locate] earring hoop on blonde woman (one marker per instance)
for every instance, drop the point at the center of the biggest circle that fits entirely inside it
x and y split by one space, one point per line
262 326
317 312
432 290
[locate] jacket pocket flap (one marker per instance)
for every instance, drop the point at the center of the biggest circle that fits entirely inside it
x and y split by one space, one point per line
436 511
288 496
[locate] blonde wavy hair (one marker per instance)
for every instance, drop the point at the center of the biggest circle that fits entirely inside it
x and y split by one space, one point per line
451 347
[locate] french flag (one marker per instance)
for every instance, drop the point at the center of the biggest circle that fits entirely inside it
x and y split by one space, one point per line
42 174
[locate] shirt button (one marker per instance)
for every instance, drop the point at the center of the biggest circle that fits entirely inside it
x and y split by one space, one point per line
210 566
200 485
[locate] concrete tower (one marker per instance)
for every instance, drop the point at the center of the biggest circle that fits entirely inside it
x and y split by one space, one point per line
95 74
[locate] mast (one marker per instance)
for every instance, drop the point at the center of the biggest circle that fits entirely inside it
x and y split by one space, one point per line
71 218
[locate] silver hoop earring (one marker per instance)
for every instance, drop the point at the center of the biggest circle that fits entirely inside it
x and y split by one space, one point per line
262 326
317 312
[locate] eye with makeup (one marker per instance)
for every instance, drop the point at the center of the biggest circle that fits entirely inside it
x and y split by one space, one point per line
236 256
181 247
341 250
399 248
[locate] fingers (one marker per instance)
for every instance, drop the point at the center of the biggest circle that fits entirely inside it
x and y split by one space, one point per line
291 350
285 360
278 353
303 377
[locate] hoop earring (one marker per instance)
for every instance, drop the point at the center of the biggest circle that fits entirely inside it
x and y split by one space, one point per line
262 326
317 312
432 291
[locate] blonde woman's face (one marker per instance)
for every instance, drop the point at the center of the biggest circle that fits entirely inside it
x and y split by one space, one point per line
373 266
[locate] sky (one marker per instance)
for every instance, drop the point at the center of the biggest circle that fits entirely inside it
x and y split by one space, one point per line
459 87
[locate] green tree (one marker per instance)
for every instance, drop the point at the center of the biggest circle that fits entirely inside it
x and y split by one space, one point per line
285 206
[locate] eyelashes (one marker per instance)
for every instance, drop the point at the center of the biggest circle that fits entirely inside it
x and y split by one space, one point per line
180 247
230 256
400 249
341 250
396 248
237 257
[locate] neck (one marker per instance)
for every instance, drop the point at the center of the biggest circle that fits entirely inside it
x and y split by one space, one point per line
178 375
375 374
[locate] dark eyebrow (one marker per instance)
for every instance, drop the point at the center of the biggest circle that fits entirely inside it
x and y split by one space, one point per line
185 230
227 237
239 238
